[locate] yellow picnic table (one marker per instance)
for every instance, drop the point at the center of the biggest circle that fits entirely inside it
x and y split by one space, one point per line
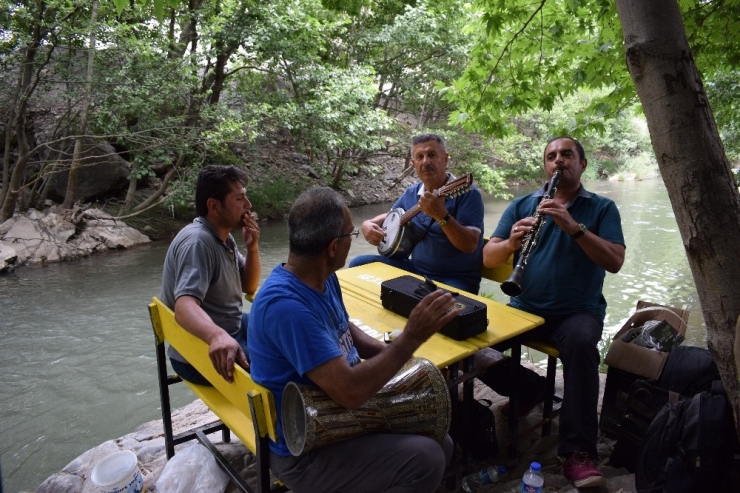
370 317
504 322
361 291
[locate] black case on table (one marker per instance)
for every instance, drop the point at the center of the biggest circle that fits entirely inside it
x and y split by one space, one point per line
402 294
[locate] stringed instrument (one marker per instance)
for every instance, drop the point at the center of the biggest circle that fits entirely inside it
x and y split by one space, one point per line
399 239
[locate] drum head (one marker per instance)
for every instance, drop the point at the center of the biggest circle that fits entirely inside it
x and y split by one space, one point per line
391 226
294 419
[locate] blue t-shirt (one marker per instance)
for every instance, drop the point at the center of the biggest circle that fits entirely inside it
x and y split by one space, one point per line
293 329
559 278
434 256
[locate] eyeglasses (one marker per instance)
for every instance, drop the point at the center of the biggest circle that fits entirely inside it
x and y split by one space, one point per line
354 234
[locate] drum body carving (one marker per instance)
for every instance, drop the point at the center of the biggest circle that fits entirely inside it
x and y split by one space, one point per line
415 401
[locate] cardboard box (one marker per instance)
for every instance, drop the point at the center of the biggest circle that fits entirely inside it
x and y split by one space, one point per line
629 362
647 363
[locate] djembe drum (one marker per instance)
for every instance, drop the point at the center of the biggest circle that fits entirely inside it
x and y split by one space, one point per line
415 401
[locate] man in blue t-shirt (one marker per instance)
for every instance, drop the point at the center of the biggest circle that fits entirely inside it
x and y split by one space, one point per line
448 230
299 331
581 238
204 273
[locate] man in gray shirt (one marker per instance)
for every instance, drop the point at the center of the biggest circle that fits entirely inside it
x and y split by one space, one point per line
205 275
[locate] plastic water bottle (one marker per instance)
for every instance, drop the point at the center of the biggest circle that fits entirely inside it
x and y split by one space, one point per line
491 474
533 479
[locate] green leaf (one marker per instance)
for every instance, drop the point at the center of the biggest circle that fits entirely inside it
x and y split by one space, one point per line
120 5
159 8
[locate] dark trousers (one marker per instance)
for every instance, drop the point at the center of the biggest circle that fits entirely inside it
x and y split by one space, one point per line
186 371
575 337
392 463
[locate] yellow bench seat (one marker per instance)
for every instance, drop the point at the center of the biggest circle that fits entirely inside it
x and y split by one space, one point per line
244 407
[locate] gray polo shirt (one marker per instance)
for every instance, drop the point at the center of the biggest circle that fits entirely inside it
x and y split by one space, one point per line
199 264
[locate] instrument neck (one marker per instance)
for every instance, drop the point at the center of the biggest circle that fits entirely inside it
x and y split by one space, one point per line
409 214
444 190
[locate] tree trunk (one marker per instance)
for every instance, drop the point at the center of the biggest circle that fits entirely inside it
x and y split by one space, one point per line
162 188
131 192
70 197
6 154
695 169
27 82
25 89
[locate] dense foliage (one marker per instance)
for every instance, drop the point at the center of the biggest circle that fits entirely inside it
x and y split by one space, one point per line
530 55
176 85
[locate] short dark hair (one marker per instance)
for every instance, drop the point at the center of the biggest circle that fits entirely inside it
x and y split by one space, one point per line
420 139
215 182
579 147
316 218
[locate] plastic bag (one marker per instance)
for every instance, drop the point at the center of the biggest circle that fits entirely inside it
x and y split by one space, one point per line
658 335
192 470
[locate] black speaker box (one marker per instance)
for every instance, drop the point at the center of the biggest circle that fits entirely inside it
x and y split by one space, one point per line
402 294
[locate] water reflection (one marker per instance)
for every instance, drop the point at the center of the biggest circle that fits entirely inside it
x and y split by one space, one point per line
77 347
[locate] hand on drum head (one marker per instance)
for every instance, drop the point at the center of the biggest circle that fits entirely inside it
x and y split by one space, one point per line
432 313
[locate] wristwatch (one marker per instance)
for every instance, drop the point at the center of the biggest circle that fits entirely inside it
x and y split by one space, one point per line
444 220
582 231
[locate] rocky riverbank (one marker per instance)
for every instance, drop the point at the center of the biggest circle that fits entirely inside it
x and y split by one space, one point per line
35 237
147 442
58 235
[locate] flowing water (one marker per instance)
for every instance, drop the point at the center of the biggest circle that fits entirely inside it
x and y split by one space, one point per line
77 352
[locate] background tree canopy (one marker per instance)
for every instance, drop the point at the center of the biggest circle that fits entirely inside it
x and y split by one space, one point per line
178 85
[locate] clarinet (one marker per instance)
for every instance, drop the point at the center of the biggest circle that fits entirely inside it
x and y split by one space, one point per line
513 285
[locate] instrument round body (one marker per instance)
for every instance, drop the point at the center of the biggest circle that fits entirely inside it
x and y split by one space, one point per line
398 239
415 401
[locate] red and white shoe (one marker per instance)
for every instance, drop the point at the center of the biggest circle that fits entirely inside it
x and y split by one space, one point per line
580 469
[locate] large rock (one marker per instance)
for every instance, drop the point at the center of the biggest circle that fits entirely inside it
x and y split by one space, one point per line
8 258
39 237
36 237
101 173
147 442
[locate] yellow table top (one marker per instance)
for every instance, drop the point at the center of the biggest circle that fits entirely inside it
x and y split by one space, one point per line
363 282
374 320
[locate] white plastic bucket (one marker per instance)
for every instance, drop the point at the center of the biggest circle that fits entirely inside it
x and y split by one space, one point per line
118 473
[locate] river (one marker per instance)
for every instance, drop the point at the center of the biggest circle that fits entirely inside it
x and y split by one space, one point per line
77 352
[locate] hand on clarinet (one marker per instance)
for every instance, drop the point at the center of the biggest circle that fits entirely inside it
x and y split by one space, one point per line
520 230
559 213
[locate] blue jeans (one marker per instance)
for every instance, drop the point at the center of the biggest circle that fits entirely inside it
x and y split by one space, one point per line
186 371
407 265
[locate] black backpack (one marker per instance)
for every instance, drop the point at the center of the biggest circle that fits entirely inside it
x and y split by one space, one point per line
688 370
481 433
689 446
644 402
